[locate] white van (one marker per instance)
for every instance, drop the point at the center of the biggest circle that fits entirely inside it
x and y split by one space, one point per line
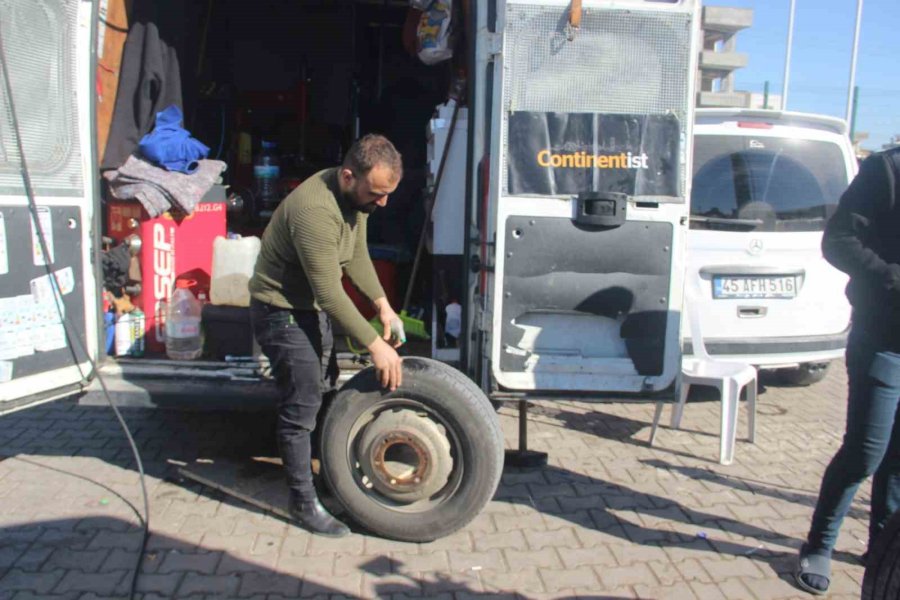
566 244
764 184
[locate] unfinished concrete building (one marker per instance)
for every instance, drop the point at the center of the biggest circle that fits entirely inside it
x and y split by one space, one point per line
720 58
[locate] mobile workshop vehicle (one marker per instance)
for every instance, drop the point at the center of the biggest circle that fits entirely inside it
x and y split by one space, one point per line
563 230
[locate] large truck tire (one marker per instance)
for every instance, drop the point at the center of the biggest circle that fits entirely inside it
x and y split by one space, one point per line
882 577
415 464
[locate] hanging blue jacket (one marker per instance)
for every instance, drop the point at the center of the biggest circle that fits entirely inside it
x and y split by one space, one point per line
170 145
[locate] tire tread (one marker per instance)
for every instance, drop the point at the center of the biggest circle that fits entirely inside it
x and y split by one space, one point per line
471 411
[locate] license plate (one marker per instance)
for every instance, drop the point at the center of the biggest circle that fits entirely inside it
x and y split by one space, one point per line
755 287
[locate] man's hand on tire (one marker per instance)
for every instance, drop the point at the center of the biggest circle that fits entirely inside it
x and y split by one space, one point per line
388 364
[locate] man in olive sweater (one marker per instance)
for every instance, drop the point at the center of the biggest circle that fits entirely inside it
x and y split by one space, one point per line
315 235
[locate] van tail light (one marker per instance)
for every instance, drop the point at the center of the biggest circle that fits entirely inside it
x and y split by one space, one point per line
754 125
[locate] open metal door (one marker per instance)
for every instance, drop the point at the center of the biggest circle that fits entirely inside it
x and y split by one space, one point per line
48 304
589 186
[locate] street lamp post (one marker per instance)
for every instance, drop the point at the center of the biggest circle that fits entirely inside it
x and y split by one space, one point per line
787 56
859 8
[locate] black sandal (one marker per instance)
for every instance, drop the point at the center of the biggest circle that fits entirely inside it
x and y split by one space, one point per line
813 564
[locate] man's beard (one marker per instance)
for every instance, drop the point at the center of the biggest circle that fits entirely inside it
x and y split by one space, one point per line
350 200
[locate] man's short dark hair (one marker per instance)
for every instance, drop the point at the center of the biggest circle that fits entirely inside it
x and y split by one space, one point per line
370 150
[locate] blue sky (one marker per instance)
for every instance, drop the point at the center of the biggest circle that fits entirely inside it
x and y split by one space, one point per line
820 62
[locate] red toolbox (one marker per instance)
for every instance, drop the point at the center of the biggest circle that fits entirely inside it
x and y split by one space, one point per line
171 248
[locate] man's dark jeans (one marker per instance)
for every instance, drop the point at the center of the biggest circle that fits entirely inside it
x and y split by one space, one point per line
871 443
300 348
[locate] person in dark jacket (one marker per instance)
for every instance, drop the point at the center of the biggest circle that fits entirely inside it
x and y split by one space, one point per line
862 239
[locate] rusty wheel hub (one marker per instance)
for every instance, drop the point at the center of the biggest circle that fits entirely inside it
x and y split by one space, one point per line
405 455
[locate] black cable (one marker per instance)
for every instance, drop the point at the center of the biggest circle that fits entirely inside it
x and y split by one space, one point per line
57 298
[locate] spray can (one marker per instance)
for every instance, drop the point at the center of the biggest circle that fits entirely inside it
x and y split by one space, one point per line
123 334
109 322
137 333
129 334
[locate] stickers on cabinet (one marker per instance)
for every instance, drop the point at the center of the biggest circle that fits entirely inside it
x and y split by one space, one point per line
46 292
46 225
6 371
65 279
17 320
49 336
4 253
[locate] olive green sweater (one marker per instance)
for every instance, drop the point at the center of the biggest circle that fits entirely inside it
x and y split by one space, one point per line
313 237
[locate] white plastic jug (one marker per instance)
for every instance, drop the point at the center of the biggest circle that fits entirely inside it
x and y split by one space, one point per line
232 267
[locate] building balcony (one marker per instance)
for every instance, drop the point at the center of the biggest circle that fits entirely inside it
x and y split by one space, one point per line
726 20
721 62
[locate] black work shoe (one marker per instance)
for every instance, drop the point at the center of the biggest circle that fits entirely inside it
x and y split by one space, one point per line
311 515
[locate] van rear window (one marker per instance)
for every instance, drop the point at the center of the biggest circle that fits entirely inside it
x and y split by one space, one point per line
745 183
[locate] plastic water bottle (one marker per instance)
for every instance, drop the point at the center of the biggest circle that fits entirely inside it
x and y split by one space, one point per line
453 324
266 173
183 338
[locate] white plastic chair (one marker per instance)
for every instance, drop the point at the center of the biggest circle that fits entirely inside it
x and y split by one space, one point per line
728 377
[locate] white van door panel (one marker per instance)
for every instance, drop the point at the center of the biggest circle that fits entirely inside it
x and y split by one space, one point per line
47 47
589 175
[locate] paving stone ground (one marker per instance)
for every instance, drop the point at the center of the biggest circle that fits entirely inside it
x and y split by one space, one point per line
609 517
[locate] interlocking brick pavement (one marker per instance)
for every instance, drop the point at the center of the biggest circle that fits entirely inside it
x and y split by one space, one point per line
609 517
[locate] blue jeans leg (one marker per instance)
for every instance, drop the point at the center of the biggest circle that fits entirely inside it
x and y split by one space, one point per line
886 485
871 435
299 345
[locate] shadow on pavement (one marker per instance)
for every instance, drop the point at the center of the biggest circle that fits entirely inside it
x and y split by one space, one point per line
96 557
595 422
165 438
618 511
613 427
66 429
752 486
